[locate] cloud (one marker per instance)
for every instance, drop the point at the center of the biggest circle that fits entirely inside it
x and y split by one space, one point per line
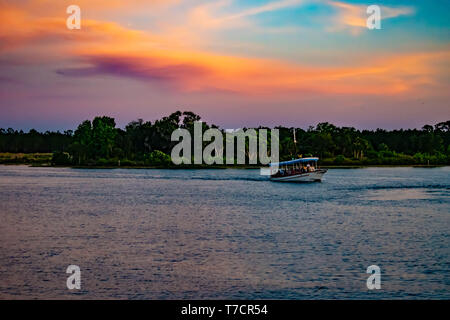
103 48
214 14
354 17
202 71
148 69
272 6
25 29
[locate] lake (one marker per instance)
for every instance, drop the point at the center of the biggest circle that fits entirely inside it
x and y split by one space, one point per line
231 234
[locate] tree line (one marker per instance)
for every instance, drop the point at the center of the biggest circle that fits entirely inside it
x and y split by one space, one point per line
144 143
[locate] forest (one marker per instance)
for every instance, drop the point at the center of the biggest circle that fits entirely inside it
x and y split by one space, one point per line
100 143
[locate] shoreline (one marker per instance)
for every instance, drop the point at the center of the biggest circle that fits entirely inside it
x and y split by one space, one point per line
52 160
216 167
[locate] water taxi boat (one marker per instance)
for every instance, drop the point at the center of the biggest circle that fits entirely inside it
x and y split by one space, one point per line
298 170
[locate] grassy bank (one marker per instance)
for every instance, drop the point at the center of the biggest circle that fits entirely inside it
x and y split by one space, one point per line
26 158
48 159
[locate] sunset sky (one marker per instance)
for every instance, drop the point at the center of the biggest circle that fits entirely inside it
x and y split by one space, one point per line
236 63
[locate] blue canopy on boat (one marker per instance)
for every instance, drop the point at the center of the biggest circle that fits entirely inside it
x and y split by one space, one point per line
293 161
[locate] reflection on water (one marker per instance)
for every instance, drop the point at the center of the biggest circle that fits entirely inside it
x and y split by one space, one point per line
223 233
401 194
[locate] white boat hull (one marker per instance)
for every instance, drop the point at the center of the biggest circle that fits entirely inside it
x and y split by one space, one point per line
302 177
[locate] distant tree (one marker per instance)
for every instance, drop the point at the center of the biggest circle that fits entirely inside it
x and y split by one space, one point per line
323 143
103 136
82 142
162 132
443 126
188 119
383 147
139 142
360 146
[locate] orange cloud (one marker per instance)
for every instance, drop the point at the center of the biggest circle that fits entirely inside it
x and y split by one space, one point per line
200 71
106 48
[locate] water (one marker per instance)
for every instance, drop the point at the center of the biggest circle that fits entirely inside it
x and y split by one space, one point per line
183 234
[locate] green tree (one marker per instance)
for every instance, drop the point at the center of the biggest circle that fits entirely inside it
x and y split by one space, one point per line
103 136
158 158
82 141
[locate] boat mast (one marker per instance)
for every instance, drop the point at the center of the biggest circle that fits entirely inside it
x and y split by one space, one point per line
295 142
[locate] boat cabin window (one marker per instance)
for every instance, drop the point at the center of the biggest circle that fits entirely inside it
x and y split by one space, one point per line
296 167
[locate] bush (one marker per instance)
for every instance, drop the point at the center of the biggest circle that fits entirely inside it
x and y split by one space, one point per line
103 162
61 158
157 158
127 163
372 154
340 159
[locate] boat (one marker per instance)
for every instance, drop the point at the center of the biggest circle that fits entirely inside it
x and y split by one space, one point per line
298 170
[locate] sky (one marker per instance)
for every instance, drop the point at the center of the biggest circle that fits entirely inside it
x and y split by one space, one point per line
236 63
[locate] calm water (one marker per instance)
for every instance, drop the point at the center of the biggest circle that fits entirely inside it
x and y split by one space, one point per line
161 234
